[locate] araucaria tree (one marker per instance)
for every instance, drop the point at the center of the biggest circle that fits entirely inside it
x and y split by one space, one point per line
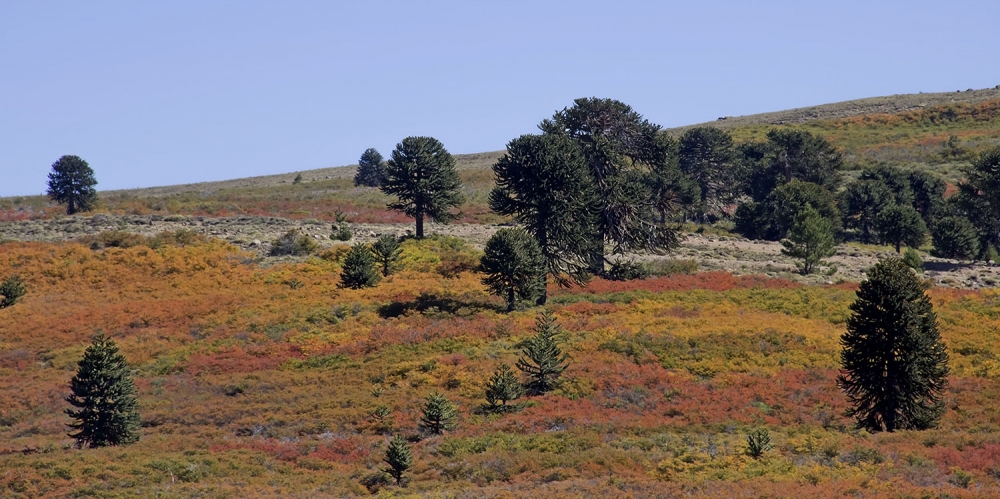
106 407
387 252
894 364
543 361
71 182
810 239
421 174
514 266
544 183
707 155
371 169
359 268
399 457
439 414
623 151
11 290
502 387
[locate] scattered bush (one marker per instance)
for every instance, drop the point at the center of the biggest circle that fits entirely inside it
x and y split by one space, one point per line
293 243
341 233
911 258
11 290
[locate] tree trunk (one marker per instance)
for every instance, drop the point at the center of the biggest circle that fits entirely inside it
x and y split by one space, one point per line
510 299
545 291
420 225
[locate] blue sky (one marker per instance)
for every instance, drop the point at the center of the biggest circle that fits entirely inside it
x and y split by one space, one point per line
157 93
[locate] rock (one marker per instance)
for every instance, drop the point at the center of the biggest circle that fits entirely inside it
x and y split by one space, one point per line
255 242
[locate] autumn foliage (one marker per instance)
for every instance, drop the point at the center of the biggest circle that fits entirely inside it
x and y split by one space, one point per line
262 380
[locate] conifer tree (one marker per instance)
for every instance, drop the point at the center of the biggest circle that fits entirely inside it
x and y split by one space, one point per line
514 266
439 414
810 239
371 169
502 387
542 359
421 174
71 182
399 457
11 290
104 397
359 268
544 183
387 252
894 364
955 237
621 149
901 224
707 155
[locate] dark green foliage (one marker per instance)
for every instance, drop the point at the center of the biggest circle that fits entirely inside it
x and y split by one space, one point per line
758 442
894 364
621 150
514 266
810 239
544 183
983 191
71 182
502 387
708 157
399 457
900 224
772 218
896 180
971 204
421 174
293 243
542 359
790 155
928 195
955 237
626 271
341 232
359 268
298 179
11 290
371 169
438 414
911 258
387 251
861 203
104 397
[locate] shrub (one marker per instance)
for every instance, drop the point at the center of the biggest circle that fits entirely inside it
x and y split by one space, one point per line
911 258
11 290
626 271
359 268
293 243
341 233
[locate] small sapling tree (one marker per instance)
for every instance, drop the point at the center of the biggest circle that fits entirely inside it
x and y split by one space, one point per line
106 407
514 266
387 252
502 387
542 361
438 414
359 268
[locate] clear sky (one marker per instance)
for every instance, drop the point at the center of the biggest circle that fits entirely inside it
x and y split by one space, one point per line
168 92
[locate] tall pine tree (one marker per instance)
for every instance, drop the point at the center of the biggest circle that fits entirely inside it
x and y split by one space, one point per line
104 397
894 364
421 174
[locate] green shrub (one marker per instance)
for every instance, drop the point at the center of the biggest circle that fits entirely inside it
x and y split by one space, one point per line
758 442
359 268
626 271
293 243
341 233
911 258
11 290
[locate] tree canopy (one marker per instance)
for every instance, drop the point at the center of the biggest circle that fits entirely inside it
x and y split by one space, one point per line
71 182
421 174
371 169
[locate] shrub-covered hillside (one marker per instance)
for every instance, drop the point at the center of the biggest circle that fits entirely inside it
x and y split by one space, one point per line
263 381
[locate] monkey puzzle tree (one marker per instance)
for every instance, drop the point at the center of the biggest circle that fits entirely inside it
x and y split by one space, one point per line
543 361
359 268
421 174
387 252
438 414
104 396
399 457
371 169
514 266
543 182
501 388
894 364
707 155
810 239
71 182
621 148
